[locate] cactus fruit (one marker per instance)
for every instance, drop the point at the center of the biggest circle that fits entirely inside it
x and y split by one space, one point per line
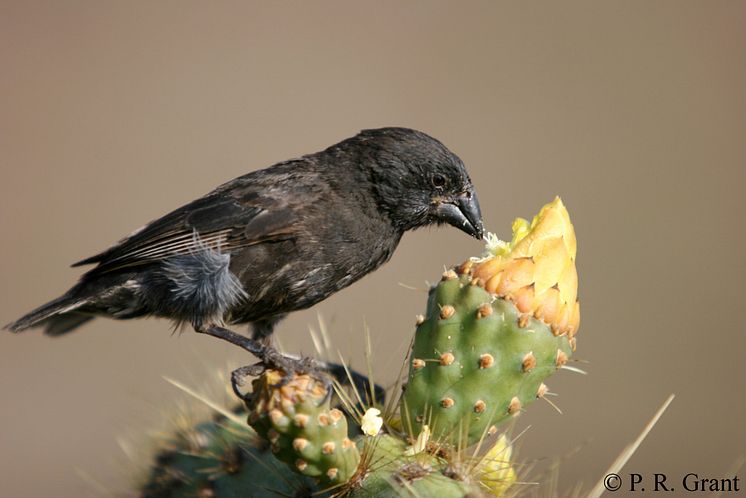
494 331
293 413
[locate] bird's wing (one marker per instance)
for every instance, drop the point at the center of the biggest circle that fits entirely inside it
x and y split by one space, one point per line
223 220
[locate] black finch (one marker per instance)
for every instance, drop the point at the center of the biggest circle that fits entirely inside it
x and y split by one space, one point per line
275 240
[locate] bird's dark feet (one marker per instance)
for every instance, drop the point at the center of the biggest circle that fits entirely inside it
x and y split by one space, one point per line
238 379
298 367
271 358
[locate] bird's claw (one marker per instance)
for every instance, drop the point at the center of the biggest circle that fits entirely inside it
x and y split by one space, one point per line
297 366
276 360
289 366
238 379
271 358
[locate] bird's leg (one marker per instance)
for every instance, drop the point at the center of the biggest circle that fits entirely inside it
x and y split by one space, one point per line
254 347
262 332
271 358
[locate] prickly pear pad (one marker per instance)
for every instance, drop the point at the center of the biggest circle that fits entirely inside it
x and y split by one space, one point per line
494 330
476 361
218 458
397 474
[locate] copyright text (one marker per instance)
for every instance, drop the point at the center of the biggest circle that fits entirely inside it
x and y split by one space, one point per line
691 482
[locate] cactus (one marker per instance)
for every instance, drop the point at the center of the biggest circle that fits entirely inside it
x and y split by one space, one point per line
221 459
475 363
396 471
294 414
495 328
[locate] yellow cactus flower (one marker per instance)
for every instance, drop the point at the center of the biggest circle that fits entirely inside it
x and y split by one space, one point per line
420 444
536 269
495 471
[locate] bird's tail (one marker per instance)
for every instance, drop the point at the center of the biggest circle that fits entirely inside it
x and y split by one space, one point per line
57 317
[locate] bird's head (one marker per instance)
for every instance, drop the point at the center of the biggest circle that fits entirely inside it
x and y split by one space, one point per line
419 182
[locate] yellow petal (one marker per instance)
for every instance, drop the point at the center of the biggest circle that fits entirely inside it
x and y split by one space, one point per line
550 263
421 444
568 283
519 273
541 254
496 471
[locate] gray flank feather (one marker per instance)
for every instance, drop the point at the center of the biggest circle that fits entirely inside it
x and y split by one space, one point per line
197 288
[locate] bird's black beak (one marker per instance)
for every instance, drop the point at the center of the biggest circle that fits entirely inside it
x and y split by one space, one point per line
462 212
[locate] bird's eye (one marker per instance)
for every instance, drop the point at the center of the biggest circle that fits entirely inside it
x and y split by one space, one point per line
439 181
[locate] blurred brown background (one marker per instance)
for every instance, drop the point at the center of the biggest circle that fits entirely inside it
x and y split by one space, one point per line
113 113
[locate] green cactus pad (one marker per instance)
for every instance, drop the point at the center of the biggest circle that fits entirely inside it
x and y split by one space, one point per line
221 459
475 362
396 474
294 415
